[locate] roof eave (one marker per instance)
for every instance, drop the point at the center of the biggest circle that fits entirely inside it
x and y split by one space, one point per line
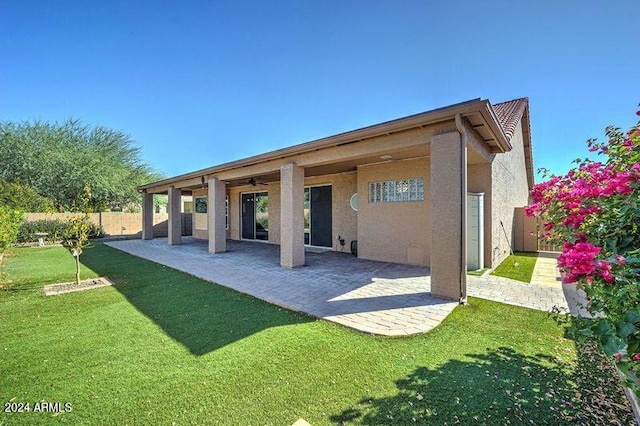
490 116
417 120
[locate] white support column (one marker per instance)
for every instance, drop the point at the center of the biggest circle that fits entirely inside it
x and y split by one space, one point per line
448 213
291 215
216 216
147 216
174 231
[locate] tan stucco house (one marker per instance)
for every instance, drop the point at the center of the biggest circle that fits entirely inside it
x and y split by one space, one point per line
436 189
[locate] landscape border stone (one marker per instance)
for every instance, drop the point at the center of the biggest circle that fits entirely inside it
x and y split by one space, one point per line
72 287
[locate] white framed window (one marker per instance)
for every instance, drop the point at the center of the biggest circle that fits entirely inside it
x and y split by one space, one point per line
226 212
393 191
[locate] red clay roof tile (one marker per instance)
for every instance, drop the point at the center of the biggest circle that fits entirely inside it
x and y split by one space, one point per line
510 113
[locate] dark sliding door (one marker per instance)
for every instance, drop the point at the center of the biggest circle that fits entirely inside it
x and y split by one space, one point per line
321 217
255 216
248 217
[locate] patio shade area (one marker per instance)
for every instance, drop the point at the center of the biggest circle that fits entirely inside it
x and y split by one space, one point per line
369 296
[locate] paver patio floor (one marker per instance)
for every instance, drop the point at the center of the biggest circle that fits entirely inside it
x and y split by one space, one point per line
374 297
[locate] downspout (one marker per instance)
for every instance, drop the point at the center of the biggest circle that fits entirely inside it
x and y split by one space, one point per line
463 209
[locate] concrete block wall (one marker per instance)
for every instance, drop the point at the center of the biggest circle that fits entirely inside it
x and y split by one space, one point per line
116 223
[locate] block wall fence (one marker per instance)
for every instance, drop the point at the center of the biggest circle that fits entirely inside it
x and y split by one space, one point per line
116 223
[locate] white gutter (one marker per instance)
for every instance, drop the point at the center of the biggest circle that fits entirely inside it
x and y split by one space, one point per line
463 209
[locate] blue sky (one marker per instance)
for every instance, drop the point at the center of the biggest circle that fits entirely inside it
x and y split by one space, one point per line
197 83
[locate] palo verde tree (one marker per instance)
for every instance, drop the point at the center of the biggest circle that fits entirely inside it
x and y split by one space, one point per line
59 160
24 198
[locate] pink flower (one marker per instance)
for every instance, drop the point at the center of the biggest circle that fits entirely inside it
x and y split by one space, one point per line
620 260
604 269
635 357
618 356
532 209
578 260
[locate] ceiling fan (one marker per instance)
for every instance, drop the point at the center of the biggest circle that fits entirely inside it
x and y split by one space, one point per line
254 182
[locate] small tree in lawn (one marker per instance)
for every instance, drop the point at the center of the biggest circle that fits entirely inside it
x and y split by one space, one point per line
76 237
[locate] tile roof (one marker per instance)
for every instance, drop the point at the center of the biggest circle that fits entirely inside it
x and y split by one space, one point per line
510 113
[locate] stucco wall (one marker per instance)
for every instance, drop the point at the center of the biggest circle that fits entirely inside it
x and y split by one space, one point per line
200 219
234 209
397 231
344 219
274 212
510 190
344 222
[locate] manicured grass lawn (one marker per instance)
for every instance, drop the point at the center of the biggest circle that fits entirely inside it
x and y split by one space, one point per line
518 266
162 346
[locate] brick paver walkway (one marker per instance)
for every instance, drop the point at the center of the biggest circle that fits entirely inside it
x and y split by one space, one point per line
374 297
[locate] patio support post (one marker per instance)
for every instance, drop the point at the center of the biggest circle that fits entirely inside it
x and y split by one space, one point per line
216 217
147 215
175 216
448 213
291 215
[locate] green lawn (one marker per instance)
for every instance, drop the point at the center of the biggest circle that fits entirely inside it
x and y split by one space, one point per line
163 347
518 266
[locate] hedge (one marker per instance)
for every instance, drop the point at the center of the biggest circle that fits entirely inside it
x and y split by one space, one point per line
55 228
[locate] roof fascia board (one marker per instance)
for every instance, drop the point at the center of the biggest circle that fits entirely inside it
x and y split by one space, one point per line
491 118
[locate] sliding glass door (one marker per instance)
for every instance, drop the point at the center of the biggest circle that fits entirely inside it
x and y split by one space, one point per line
255 216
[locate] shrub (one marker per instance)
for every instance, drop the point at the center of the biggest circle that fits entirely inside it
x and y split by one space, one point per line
594 212
10 220
56 229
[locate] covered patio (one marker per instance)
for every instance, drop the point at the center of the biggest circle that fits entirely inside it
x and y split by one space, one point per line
396 190
369 296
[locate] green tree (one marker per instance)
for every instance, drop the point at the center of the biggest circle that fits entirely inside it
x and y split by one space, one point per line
10 220
24 198
61 159
76 238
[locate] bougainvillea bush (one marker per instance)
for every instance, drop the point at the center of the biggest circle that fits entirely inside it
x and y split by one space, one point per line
594 213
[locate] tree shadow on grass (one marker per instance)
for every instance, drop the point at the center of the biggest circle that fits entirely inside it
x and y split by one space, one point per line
498 387
200 315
